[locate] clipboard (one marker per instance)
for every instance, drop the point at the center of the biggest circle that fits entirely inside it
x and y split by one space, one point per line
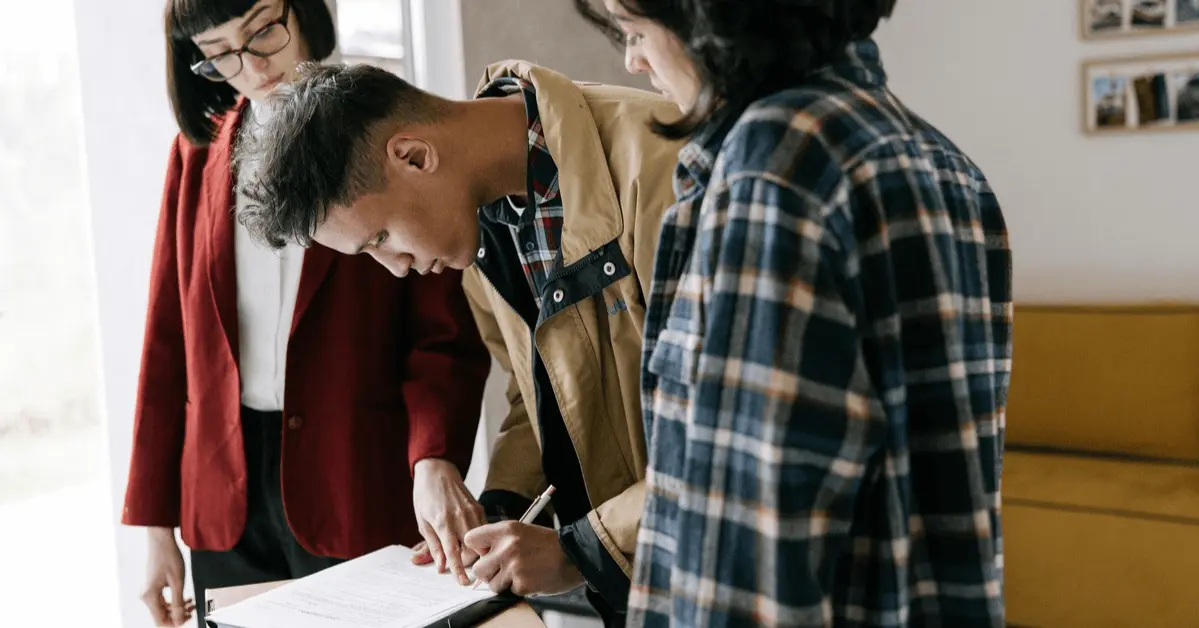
502 611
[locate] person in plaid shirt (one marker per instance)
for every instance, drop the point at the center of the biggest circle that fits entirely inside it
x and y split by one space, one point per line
827 338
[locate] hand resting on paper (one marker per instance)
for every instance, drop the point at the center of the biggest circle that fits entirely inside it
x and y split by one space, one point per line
445 512
523 558
422 556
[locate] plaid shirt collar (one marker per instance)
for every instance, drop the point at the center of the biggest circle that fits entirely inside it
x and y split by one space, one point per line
861 63
537 231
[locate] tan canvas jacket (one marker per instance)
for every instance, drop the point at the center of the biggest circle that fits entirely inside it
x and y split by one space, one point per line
615 179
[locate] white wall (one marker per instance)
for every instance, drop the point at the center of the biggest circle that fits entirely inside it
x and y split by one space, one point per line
1091 218
127 133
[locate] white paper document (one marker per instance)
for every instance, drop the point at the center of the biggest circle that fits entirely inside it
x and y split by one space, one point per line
380 590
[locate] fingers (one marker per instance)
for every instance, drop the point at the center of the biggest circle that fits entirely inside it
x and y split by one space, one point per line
482 538
179 612
453 552
487 567
421 555
165 613
474 515
469 556
158 608
434 545
468 518
500 582
474 518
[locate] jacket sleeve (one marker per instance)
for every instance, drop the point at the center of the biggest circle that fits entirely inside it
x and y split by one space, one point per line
152 493
601 545
446 371
514 477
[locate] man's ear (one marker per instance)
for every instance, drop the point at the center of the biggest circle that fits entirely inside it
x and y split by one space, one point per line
412 153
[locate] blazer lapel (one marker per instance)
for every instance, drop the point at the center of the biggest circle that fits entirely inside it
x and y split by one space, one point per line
317 260
222 258
222 264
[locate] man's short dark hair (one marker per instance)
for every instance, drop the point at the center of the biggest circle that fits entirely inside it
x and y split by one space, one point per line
748 49
195 100
322 146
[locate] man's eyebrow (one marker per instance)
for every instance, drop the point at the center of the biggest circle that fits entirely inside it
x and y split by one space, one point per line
249 18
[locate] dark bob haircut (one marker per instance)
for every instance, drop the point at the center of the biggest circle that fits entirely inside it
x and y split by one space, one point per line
195 99
744 50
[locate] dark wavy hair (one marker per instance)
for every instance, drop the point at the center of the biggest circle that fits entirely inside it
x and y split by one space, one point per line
195 100
744 50
320 147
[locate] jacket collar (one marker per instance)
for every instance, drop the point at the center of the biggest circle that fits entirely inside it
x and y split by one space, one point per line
585 183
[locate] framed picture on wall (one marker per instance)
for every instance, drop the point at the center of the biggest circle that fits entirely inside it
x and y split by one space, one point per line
1147 93
1102 19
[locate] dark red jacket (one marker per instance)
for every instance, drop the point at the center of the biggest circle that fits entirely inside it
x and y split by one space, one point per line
381 372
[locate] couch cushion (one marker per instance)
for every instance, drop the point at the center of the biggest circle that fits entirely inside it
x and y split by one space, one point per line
1132 489
1106 378
1093 542
1067 569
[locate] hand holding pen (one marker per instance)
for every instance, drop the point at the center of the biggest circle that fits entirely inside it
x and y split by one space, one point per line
531 513
523 558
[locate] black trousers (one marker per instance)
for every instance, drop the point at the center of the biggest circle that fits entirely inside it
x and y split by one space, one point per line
267 550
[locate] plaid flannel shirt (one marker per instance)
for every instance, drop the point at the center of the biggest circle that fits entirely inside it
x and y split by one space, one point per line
825 371
537 233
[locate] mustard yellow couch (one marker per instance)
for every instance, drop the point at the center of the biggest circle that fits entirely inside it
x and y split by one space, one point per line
1101 473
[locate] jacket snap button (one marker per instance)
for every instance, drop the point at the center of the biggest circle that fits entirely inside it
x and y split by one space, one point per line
609 269
558 296
295 421
482 252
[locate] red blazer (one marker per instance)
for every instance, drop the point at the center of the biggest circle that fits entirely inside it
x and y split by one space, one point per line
381 372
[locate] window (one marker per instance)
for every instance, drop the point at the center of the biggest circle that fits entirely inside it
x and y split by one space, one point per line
378 32
53 476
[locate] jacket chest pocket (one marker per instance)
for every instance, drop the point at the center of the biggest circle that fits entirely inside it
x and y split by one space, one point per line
675 358
674 362
672 366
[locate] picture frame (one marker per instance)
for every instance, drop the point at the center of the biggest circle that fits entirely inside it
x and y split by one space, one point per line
1147 93
1113 19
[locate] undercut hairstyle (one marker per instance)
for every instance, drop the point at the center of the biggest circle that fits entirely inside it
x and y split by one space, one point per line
196 100
323 146
745 50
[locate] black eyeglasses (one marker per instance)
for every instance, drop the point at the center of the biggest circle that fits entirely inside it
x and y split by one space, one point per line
266 41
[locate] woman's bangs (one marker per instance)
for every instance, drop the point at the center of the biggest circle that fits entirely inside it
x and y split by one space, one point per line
189 18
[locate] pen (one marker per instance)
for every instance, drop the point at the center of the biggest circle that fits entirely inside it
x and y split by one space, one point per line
534 509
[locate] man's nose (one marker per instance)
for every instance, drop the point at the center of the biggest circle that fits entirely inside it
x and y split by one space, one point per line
397 264
634 62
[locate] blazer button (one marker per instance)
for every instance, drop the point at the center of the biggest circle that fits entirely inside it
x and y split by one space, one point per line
295 422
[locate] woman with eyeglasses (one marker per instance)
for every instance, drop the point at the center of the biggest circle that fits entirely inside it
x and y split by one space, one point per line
295 408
